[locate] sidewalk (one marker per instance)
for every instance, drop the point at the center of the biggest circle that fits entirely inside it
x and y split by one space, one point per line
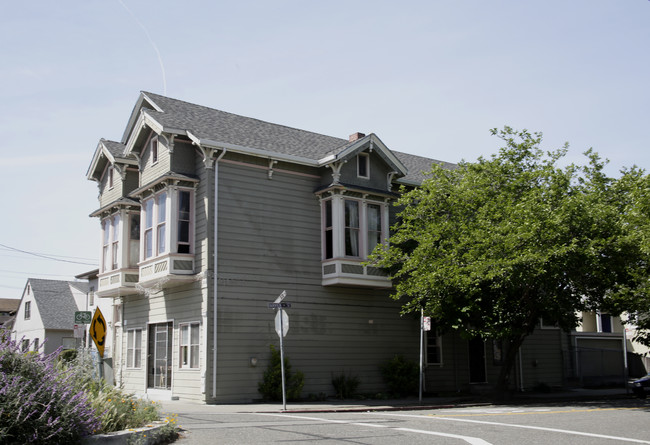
334 405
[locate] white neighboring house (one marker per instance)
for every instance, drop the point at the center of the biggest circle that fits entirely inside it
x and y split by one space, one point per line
45 317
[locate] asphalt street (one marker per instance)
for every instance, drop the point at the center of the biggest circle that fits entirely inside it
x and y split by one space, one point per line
624 420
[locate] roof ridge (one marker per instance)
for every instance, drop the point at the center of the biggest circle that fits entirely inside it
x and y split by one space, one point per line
345 141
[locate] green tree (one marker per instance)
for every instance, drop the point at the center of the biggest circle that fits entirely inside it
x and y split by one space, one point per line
491 247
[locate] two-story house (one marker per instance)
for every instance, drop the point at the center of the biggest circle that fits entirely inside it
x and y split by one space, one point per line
45 318
207 216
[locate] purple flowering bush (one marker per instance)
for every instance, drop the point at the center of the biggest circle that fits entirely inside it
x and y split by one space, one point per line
39 401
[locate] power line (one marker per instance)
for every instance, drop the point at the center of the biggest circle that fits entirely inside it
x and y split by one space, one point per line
48 257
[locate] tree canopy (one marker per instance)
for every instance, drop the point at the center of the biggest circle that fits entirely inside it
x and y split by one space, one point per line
492 247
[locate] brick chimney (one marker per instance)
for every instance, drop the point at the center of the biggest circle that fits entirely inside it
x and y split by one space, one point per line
356 136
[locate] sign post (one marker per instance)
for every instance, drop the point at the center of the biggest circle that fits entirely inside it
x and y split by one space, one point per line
281 327
425 325
98 330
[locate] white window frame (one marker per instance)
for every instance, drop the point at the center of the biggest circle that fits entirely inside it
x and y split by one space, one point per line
111 242
28 310
339 229
111 177
154 147
184 216
155 226
189 347
363 159
133 349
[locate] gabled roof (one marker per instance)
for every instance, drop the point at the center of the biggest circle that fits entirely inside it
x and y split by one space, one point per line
55 301
219 129
108 152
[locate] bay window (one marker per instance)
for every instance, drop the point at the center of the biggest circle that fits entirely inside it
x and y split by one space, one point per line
359 224
352 226
184 221
168 221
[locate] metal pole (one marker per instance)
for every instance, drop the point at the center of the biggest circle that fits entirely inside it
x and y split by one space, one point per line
284 392
625 370
421 351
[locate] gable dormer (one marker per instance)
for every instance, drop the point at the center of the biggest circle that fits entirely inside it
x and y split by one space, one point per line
355 202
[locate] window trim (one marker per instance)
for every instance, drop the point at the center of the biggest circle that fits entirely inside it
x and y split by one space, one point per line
363 159
132 350
190 346
154 146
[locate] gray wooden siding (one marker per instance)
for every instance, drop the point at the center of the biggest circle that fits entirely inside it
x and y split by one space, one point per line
180 304
182 160
108 195
151 172
269 241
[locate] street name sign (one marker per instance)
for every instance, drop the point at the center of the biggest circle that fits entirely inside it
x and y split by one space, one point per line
279 305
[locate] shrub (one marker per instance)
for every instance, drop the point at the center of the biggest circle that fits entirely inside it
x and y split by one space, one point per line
115 409
271 385
38 402
401 376
345 385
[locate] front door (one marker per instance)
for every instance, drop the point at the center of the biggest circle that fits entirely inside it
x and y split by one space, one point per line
159 359
477 373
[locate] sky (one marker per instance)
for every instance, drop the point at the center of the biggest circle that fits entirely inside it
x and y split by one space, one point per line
428 77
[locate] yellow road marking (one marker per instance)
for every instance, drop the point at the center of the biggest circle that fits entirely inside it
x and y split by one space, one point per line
532 412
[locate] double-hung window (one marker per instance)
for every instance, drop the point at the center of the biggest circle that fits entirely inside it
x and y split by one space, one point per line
28 310
184 221
189 334
115 242
134 348
155 224
111 243
161 213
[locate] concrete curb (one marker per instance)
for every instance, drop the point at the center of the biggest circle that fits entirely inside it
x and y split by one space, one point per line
142 436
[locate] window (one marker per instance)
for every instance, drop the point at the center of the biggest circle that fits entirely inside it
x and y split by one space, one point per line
161 211
363 165
184 221
497 352
134 348
91 296
36 344
434 347
115 228
110 243
328 229
168 223
354 230
189 334
605 323
28 310
148 228
110 177
154 150
24 346
351 228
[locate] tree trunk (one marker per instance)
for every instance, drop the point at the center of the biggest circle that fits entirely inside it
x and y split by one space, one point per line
509 361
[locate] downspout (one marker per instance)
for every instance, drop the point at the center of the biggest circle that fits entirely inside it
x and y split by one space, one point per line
214 275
